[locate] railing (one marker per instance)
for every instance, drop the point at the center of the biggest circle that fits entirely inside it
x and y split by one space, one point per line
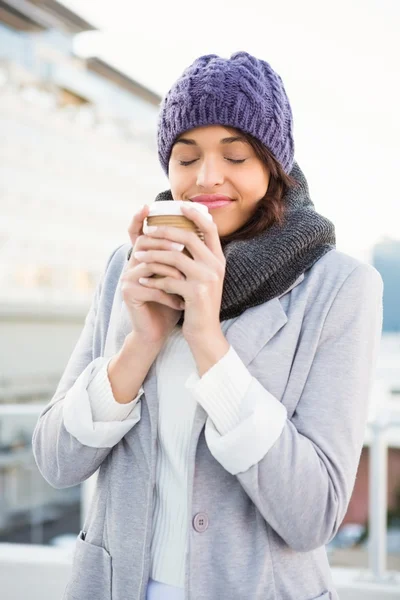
24 494
378 464
384 584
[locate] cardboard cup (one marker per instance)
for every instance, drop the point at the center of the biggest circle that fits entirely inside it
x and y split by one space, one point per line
172 220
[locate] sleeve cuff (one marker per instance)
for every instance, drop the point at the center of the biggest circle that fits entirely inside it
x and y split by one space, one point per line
103 404
78 418
245 446
221 390
245 420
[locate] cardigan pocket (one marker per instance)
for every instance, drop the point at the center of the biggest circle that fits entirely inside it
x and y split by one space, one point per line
325 596
91 572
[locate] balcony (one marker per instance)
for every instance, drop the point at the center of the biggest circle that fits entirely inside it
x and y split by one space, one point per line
44 571
368 575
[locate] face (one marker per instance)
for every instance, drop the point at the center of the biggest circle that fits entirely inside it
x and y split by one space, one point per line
214 165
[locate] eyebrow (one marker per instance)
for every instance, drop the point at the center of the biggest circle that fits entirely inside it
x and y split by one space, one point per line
227 140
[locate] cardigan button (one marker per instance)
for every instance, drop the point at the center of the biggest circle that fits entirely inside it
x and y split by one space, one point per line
200 522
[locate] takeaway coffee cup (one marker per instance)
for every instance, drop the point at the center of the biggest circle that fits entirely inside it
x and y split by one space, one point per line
168 212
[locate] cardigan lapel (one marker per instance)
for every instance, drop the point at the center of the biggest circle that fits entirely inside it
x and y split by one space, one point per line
263 321
255 327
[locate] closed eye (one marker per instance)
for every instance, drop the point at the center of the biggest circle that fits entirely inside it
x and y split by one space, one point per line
186 163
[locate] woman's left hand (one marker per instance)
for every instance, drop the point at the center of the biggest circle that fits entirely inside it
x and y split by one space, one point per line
202 288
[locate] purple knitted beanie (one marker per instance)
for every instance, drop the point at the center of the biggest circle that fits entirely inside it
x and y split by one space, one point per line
241 92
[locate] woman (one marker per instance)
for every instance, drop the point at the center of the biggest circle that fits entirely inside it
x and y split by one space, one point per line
224 404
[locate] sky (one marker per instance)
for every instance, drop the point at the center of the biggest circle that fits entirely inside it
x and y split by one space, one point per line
339 64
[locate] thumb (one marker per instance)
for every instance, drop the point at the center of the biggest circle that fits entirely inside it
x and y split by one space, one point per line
135 228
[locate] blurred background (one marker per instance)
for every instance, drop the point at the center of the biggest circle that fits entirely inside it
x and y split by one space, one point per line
80 87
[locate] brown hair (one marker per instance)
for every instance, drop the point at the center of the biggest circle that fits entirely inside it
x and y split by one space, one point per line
271 208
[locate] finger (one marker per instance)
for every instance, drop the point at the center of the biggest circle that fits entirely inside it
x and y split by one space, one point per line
188 239
170 300
168 285
136 226
184 264
149 269
144 295
145 242
161 297
207 226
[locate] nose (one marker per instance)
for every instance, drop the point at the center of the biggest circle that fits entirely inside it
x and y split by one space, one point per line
209 174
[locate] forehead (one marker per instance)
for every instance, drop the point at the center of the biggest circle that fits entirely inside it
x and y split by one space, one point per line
210 134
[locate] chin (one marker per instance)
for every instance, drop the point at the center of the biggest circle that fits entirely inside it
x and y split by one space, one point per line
223 233
223 230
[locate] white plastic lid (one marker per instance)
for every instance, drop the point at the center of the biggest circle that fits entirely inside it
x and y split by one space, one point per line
173 207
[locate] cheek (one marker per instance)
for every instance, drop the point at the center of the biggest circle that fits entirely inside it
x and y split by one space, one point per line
253 188
178 180
260 180
174 184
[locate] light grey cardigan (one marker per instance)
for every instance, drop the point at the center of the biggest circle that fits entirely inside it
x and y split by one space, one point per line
314 349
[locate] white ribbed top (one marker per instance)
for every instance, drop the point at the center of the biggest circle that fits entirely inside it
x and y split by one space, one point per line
176 413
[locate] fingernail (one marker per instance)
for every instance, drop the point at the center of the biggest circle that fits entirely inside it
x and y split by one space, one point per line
176 246
151 229
139 254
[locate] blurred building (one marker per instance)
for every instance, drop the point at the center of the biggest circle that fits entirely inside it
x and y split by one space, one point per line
386 258
77 157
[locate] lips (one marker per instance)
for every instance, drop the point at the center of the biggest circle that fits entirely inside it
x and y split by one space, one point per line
212 200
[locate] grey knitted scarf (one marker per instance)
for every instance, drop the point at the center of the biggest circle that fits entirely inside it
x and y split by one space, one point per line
265 266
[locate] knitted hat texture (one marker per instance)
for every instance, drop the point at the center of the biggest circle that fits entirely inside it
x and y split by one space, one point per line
243 92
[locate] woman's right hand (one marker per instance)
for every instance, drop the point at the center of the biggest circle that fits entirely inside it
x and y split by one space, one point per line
153 313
